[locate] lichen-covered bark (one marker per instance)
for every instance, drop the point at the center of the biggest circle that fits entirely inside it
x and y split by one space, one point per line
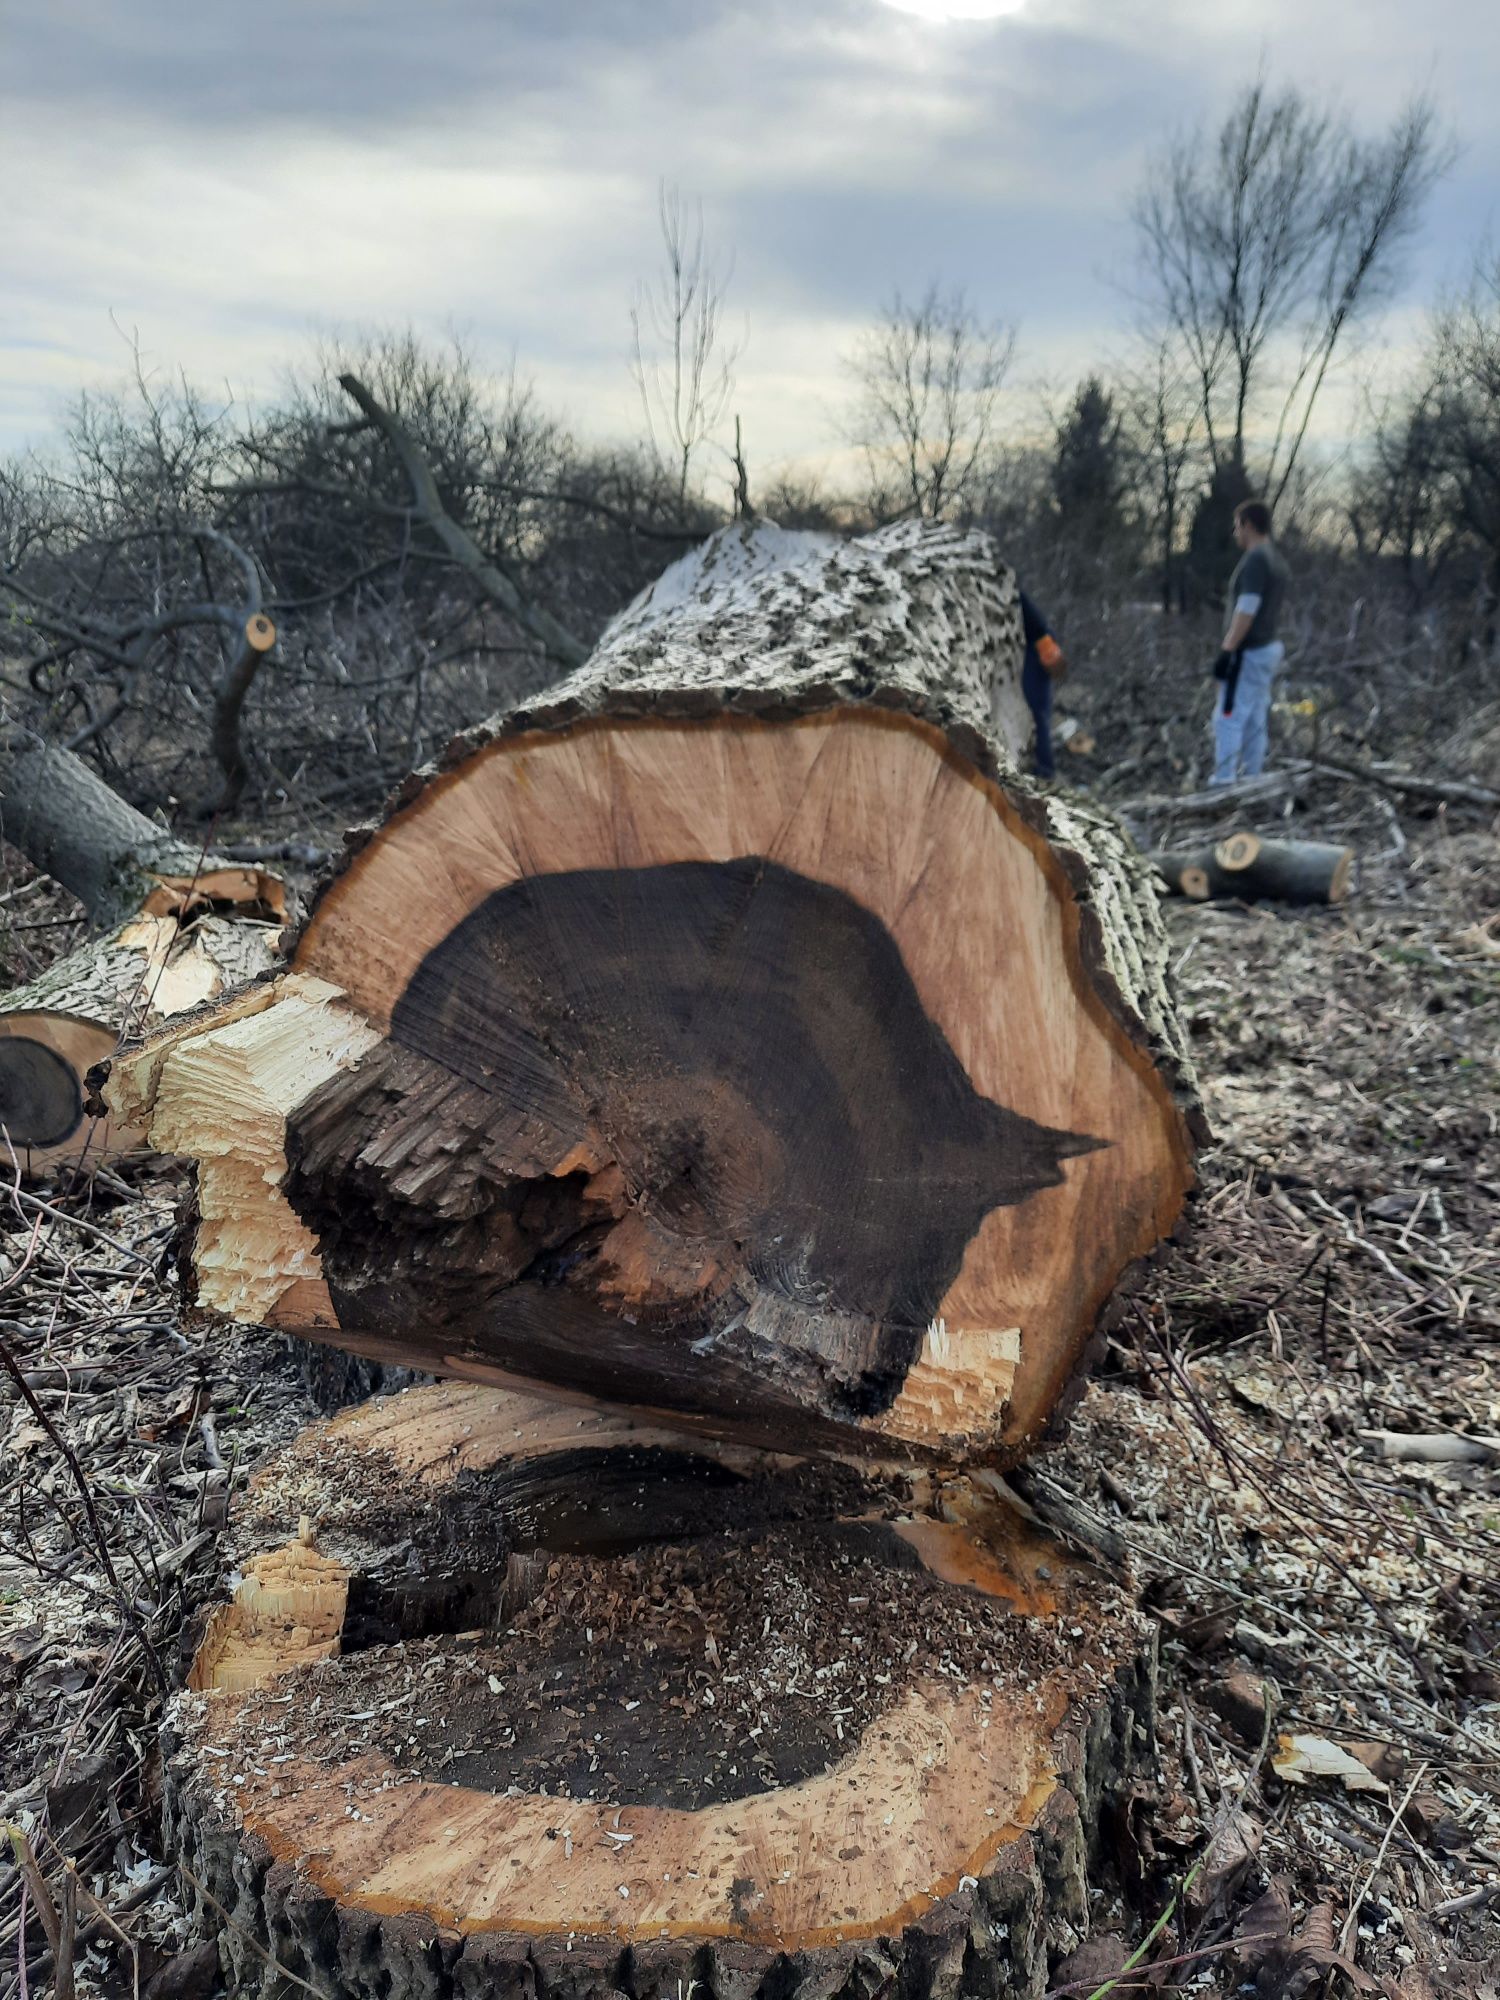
916 617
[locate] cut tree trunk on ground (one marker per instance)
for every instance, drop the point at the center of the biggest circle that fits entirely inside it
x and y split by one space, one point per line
181 927
119 864
738 1035
56 1029
507 1699
1246 867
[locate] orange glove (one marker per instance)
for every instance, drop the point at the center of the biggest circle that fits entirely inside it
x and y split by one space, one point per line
1052 656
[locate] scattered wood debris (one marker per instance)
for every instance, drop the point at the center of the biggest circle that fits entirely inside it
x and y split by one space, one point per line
1258 1444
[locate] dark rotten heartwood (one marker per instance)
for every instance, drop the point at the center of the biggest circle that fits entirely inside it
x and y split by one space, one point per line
508 1699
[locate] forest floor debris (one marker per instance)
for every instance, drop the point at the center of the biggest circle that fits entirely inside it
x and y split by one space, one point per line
1328 1811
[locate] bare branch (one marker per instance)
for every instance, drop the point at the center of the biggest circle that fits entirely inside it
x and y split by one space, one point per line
487 572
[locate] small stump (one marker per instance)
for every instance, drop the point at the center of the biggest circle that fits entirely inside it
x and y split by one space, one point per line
513 1699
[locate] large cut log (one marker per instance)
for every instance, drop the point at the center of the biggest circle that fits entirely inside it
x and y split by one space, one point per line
505 1700
180 926
736 1034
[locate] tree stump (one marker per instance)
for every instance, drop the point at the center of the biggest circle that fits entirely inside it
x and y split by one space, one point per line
508 1698
736 1035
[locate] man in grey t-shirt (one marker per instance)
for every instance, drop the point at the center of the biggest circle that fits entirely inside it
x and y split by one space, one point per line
1252 652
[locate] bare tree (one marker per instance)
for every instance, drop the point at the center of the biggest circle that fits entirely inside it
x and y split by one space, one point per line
1467 429
114 577
929 377
682 368
1426 493
421 544
1164 432
1398 503
1263 243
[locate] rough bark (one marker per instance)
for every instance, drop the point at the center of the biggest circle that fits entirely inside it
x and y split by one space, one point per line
71 825
468 1720
1249 868
736 1033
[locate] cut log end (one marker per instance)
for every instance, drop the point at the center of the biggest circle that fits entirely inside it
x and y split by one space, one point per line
72 1018
1238 851
715 1110
41 1097
759 1050
503 1685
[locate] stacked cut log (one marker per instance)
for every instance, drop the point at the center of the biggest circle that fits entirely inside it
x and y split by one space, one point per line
738 1040
1247 867
175 926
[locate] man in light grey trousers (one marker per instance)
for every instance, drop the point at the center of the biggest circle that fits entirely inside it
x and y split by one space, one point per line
1252 652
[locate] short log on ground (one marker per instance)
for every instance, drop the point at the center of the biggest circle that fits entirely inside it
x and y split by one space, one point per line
1253 869
509 1698
75 1015
180 927
736 1035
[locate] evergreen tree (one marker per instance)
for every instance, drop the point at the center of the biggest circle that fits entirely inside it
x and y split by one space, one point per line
1090 479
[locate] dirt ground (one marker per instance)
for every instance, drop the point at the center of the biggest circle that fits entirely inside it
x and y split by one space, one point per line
1327 1812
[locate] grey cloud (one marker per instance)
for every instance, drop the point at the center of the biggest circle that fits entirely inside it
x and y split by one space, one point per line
229 176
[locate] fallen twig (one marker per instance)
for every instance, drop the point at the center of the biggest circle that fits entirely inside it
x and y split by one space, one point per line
1433 1447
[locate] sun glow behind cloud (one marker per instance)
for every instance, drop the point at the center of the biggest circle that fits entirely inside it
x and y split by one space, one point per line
957 10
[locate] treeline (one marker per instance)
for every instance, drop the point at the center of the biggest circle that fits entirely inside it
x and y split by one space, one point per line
428 545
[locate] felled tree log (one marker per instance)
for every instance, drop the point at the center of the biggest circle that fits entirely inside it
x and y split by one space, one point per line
1248 867
54 1030
163 948
736 1034
503 1699
119 864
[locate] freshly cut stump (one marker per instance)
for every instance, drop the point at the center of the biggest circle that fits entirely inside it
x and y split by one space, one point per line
737 1036
515 1699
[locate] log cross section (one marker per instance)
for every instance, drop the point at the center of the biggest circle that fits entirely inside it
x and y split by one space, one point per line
507 1699
736 1035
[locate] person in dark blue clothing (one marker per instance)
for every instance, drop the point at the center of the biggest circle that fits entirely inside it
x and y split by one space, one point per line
1046 662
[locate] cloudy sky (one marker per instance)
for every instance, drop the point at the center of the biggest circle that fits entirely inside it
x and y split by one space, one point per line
230 180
